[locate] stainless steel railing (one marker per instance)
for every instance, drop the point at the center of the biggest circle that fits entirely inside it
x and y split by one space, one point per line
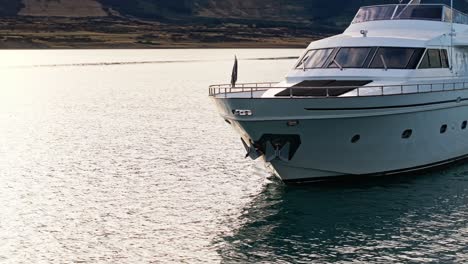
255 90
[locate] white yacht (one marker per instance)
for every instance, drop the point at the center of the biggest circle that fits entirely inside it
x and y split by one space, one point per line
387 96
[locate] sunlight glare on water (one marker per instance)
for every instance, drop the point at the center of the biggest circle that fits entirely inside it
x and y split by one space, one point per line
120 157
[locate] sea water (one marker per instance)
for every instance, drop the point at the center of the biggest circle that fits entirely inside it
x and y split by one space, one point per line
119 156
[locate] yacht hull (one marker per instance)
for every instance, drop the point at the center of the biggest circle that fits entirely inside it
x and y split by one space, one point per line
343 137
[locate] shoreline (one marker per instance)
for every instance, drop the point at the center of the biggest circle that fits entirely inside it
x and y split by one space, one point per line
111 33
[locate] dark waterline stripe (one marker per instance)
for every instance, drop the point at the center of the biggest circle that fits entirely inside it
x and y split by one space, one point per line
418 169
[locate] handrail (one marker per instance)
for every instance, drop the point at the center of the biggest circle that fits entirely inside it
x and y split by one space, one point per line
255 90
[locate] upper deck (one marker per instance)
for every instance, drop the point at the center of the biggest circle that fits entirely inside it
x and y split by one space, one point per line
428 12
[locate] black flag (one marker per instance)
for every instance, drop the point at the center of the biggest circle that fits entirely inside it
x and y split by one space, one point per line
234 73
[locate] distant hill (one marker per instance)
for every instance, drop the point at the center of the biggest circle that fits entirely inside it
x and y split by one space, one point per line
332 13
63 24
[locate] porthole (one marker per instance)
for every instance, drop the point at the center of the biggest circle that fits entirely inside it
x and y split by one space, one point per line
407 134
464 124
443 129
355 139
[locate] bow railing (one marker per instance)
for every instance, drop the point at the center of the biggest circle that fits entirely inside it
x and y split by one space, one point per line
257 90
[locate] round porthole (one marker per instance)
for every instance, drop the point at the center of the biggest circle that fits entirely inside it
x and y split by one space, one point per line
355 139
407 134
464 124
443 129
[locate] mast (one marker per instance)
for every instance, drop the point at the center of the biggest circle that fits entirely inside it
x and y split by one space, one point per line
451 35
410 3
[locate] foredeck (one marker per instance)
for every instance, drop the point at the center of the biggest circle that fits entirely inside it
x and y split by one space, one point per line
273 91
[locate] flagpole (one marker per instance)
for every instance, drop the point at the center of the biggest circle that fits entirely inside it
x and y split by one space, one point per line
234 73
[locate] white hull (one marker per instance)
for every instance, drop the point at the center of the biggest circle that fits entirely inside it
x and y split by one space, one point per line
326 149
388 96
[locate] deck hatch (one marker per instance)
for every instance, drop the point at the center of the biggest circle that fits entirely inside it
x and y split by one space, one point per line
318 87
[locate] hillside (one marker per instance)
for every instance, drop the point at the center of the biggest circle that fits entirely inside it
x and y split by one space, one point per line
63 8
301 11
174 23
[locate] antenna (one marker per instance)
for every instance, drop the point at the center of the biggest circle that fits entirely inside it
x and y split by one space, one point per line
414 2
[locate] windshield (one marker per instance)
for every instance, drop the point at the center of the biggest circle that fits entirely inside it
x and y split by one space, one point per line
395 12
314 58
350 58
364 57
396 58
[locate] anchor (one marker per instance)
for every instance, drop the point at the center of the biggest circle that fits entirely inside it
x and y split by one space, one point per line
281 147
252 151
277 152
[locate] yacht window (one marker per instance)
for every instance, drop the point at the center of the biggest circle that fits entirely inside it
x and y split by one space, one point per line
435 58
304 59
314 58
464 124
413 63
350 58
373 13
394 58
425 62
423 12
394 12
444 58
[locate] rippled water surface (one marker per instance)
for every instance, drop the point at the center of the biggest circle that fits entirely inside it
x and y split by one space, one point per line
120 157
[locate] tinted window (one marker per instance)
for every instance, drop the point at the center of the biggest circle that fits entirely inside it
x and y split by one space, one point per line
425 62
393 58
421 12
444 58
371 13
389 12
350 57
413 63
318 58
434 58
304 58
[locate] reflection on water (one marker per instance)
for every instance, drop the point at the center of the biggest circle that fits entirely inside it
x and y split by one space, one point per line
416 219
130 163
